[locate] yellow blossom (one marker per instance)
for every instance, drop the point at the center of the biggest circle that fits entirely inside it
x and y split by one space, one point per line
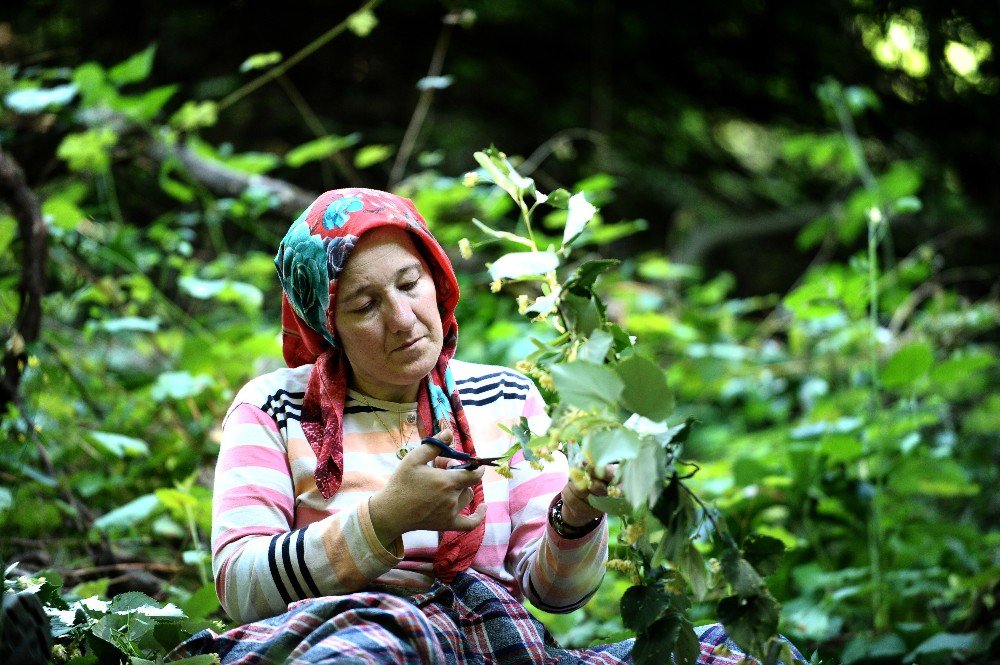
522 304
465 248
496 285
504 470
614 491
545 381
580 479
33 361
524 366
713 565
471 179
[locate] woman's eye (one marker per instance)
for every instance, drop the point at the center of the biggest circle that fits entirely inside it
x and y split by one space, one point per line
367 307
409 286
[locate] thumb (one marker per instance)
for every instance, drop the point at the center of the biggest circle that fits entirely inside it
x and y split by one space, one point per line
470 522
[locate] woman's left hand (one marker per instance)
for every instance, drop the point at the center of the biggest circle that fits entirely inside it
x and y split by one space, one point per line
576 509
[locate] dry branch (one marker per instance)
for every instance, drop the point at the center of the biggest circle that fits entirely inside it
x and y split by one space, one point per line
24 205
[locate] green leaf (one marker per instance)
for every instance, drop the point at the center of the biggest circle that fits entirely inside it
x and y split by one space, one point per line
320 148
586 385
130 324
38 99
612 505
907 205
952 644
688 648
8 231
129 514
559 198
642 476
646 391
605 446
581 212
583 278
89 151
6 499
655 646
260 61
130 601
764 553
179 385
750 620
370 155
119 445
691 565
193 115
642 605
746 581
907 365
362 23
224 290
134 69
202 602
596 348
517 265
581 313
434 83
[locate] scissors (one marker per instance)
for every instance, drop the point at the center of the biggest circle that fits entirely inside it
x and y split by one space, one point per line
471 463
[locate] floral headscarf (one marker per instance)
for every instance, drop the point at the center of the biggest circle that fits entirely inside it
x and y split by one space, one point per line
309 261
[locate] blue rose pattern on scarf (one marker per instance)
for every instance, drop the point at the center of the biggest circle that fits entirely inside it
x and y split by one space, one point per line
337 251
304 273
338 211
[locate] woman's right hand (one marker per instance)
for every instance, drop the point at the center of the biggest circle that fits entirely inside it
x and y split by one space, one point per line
423 497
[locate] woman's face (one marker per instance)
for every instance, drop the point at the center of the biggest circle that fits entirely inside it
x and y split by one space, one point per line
387 316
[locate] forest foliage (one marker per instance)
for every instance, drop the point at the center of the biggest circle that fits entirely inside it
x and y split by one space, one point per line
818 461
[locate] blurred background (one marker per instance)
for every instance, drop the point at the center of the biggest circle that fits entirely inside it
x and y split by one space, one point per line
769 174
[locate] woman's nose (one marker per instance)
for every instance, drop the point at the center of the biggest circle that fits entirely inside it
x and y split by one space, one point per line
400 314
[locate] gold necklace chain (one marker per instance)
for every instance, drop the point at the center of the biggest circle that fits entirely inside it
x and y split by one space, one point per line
400 447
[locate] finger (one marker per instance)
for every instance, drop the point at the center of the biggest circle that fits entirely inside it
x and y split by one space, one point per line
445 436
464 499
469 522
606 473
466 477
422 454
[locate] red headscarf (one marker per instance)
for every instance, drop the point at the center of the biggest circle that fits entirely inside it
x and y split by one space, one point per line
309 261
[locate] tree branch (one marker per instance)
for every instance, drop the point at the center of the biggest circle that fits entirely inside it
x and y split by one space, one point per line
24 204
226 181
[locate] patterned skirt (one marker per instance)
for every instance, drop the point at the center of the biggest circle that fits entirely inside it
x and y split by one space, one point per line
474 620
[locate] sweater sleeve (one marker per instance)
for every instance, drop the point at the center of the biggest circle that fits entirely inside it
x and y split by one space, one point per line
260 563
556 574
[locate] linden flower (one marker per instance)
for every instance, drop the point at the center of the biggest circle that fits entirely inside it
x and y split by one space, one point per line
580 479
496 285
465 248
471 179
522 304
504 470
524 366
614 491
545 381
536 465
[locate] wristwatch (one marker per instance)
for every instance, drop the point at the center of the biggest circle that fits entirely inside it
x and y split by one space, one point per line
567 530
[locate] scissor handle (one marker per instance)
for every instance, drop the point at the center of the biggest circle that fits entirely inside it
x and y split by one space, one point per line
446 450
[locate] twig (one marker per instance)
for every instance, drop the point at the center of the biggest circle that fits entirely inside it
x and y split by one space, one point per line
316 127
423 103
542 152
708 513
308 50
24 204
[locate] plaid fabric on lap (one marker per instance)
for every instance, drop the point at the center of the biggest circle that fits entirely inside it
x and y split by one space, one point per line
472 621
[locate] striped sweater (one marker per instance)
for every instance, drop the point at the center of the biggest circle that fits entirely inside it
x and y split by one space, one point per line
275 539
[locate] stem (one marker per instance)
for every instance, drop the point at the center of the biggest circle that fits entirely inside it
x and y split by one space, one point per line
711 519
280 69
423 106
876 218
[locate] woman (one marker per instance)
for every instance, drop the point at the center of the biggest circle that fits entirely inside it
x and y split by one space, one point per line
335 531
